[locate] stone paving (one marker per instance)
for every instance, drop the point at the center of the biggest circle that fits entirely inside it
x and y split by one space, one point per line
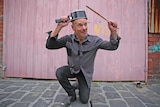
48 93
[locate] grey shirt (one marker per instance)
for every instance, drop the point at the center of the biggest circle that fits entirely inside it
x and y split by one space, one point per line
82 56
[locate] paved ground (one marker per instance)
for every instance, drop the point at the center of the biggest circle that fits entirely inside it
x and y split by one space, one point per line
48 93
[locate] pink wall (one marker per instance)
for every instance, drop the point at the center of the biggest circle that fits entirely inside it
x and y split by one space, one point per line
26 23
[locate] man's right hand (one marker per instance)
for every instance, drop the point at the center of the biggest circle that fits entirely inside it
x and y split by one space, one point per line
64 22
60 25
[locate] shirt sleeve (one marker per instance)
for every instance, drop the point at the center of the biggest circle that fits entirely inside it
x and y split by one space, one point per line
109 45
54 42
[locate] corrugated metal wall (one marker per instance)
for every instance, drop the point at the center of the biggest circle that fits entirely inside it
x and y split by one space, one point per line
26 24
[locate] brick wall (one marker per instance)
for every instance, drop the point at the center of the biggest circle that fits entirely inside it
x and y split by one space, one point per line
154 57
1 31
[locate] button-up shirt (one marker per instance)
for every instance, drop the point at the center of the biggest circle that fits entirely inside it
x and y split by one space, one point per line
81 56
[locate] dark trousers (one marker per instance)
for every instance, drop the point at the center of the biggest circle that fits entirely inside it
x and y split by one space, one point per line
63 73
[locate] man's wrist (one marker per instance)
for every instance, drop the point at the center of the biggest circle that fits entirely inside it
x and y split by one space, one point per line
56 31
114 34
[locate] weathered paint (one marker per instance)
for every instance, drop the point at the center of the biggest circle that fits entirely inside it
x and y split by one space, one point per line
154 48
26 24
154 16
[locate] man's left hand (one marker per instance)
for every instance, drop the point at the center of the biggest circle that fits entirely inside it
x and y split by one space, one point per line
112 26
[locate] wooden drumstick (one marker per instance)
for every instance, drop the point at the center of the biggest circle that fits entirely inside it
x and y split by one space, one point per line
97 13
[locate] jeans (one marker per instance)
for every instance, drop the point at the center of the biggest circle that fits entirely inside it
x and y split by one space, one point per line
63 73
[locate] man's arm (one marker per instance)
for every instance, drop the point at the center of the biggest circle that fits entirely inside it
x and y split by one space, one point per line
113 28
114 38
52 42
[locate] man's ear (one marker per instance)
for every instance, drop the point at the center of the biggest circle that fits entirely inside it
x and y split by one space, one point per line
72 27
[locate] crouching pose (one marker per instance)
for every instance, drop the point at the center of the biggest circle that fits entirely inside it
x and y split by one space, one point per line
81 51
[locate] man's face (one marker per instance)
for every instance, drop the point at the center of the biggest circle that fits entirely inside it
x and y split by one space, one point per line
79 26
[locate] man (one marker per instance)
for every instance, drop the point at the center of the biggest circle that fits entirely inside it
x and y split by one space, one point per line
81 50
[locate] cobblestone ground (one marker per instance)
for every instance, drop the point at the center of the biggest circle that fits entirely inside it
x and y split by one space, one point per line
48 93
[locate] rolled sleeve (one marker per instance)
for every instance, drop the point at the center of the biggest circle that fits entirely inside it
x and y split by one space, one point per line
113 41
55 43
50 42
49 33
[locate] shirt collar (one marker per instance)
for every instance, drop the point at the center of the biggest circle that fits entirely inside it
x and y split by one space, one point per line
87 38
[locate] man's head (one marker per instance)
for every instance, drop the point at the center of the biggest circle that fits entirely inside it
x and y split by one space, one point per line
79 23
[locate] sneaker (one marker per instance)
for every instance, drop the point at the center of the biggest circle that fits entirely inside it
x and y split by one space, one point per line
68 100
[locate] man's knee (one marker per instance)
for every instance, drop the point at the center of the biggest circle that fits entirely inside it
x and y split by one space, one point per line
84 100
59 74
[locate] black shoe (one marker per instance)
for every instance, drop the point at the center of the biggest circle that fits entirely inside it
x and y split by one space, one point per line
76 85
68 100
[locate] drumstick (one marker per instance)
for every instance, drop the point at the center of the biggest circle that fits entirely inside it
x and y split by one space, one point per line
97 13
